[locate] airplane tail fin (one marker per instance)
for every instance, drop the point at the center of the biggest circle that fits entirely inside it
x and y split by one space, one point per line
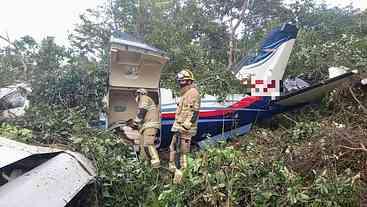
271 61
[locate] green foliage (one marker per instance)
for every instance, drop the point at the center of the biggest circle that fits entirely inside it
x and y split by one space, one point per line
54 124
219 176
190 36
10 67
229 177
68 85
93 33
67 91
14 132
64 73
14 58
304 131
334 191
125 181
327 37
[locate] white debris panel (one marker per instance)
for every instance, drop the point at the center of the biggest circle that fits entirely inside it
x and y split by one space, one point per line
55 182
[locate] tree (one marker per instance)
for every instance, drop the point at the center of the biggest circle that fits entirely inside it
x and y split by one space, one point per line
327 37
190 37
242 18
16 59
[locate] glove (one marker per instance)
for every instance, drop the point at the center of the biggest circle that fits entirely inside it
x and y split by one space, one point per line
186 125
137 120
133 126
174 129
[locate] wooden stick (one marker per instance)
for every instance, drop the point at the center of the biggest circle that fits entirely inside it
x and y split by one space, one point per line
363 148
358 101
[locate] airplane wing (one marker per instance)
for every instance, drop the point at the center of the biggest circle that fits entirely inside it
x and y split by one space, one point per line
312 93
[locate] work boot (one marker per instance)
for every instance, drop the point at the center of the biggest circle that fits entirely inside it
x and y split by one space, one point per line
178 177
183 161
172 167
155 162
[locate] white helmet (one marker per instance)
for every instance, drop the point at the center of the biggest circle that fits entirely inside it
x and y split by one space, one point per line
142 91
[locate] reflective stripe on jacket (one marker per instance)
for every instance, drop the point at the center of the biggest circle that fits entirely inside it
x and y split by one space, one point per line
151 118
188 105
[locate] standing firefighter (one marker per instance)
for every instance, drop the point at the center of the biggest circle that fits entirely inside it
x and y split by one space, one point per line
147 119
185 125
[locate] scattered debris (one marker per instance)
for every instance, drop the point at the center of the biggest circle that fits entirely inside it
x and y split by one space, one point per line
13 101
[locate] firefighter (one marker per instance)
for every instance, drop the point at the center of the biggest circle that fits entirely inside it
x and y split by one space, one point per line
147 120
185 125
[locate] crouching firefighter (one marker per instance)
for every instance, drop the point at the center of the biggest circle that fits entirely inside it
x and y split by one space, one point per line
185 125
147 120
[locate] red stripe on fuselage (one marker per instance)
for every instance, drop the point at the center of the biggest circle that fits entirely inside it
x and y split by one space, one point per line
245 102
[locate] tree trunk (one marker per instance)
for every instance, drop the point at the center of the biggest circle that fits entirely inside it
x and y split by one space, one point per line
140 24
232 46
231 55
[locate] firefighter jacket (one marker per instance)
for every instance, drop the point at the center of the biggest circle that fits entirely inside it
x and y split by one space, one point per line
187 112
148 113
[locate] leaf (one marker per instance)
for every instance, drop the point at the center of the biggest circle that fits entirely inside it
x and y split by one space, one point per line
267 195
303 197
77 140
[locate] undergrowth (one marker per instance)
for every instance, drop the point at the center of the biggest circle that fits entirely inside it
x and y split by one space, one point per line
318 161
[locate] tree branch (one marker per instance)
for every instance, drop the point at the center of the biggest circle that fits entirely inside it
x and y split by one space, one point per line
358 101
21 57
362 148
241 16
233 28
289 118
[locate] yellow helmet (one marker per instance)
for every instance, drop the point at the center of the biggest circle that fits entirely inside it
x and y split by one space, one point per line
185 75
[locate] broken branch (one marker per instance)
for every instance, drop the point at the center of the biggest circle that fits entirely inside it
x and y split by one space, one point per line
21 57
358 101
362 148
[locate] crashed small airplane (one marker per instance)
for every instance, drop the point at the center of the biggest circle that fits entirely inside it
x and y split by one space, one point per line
40 176
137 65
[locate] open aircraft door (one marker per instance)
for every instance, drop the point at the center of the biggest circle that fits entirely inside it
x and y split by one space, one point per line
133 65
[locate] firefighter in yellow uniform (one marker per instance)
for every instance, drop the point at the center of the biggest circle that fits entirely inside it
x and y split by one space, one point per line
148 122
185 125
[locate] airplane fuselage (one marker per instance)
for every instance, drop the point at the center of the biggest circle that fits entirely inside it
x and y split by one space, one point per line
217 120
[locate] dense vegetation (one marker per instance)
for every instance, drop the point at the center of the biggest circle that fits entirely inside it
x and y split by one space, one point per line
314 157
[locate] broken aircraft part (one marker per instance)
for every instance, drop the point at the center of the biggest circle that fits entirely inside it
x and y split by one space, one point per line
13 101
41 176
